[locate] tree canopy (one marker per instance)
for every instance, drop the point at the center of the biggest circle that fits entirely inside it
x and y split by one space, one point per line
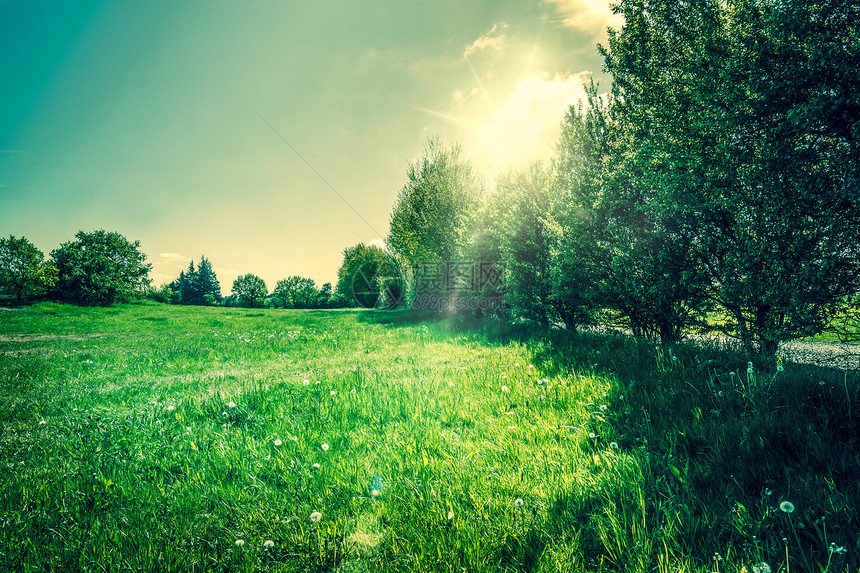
100 268
23 270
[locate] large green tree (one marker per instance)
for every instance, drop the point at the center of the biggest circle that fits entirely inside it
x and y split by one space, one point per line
100 268
436 210
249 291
369 277
738 148
23 270
295 292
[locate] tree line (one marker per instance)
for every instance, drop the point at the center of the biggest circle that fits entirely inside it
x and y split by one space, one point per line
716 187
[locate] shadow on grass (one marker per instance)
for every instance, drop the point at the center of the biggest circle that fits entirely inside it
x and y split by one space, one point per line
718 442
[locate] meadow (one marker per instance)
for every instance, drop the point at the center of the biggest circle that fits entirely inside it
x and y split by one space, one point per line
156 438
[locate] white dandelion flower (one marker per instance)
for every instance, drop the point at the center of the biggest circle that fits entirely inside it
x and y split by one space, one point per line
592 435
504 388
278 442
531 366
231 405
306 382
268 544
603 407
451 384
613 445
42 422
519 502
450 515
316 466
324 447
780 368
517 364
786 507
170 408
352 391
240 542
761 567
315 516
333 393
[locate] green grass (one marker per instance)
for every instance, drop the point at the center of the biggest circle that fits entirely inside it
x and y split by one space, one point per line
152 438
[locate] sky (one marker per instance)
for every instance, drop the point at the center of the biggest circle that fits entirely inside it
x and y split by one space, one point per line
269 135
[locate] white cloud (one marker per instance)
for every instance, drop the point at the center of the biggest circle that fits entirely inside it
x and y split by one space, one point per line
493 39
526 127
173 258
592 16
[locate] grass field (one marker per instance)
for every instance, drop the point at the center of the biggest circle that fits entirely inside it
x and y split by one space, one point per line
157 438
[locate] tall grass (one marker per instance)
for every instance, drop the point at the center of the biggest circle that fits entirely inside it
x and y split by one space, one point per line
155 438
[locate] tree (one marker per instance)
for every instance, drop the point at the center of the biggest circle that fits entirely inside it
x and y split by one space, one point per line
436 209
295 292
324 296
208 287
579 261
249 291
100 268
189 287
23 270
523 231
738 129
369 277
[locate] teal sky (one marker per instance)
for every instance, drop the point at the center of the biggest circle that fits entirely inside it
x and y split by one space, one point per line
172 122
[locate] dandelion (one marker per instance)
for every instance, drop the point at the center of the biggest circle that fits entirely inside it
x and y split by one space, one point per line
324 447
674 359
732 374
531 366
317 382
504 376
761 567
786 507
374 493
42 422
170 408
332 393
821 383
240 543
511 427
837 549
592 435
188 429
451 384
603 407
542 380
450 515
306 382
519 502
315 516
780 368
352 391
316 466
278 442
504 388
613 445
268 544
517 364
231 405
